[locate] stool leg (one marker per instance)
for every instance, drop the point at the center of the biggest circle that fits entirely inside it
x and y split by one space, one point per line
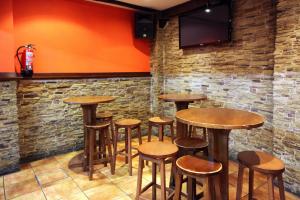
217 181
139 180
103 144
149 137
178 186
191 188
126 145
271 187
204 134
281 187
163 180
172 132
110 156
160 133
129 151
190 130
115 145
239 186
139 133
207 189
112 131
251 177
154 180
91 153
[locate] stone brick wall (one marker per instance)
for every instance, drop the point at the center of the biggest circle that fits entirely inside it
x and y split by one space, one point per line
9 142
244 74
287 91
236 75
49 126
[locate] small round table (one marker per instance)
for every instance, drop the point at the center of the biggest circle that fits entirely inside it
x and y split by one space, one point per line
182 101
89 105
219 122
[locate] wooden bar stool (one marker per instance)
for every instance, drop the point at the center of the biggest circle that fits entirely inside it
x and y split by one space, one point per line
104 140
158 153
160 122
264 163
128 125
194 167
106 116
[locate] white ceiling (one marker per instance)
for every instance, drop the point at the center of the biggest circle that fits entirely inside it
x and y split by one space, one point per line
155 4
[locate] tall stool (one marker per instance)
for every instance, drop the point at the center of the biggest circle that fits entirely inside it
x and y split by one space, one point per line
264 163
128 125
194 167
160 122
158 153
104 140
106 116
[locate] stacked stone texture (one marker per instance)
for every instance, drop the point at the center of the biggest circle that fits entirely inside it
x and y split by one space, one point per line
286 119
240 75
9 142
48 126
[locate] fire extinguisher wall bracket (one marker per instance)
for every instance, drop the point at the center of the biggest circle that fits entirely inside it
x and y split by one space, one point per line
26 60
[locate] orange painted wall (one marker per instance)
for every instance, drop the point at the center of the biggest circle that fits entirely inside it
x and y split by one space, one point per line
6 37
79 36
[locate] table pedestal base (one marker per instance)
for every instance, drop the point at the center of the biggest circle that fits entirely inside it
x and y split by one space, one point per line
218 151
89 118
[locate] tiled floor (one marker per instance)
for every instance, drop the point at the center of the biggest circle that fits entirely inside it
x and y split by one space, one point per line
56 178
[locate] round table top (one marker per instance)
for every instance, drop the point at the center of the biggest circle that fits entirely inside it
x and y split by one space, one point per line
89 100
220 118
182 97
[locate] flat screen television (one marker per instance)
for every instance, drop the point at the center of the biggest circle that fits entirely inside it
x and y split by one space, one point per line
200 27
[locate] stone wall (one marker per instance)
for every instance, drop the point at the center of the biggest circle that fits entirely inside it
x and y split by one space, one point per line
287 91
49 126
244 74
9 142
236 75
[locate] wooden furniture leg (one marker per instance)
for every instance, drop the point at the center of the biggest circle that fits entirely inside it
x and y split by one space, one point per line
218 150
281 187
181 129
271 187
139 181
240 182
163 180
129 152
251 179
154 165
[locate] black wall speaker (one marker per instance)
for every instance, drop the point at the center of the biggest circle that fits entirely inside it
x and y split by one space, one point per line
144 26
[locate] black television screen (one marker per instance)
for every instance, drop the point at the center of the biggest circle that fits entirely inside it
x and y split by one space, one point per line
201 27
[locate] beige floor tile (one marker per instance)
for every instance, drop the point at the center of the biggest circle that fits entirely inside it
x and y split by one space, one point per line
84 183
37 195
61 189
76 196
106 191
48 178
19 176
1 181
233 167
44 161
21 188
129 184
2 193
46 168
262 193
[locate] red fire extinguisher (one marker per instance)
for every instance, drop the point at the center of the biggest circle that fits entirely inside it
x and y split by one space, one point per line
26 60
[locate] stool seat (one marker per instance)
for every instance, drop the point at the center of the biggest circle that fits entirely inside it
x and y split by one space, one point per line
98 125
125 123
104 114
158 149
198 166
161 120
191 143
261 161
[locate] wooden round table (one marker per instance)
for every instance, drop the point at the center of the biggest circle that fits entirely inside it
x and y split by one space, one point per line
89 105
181 101
219 122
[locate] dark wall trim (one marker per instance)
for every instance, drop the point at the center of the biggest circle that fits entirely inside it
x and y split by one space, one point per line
47 76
